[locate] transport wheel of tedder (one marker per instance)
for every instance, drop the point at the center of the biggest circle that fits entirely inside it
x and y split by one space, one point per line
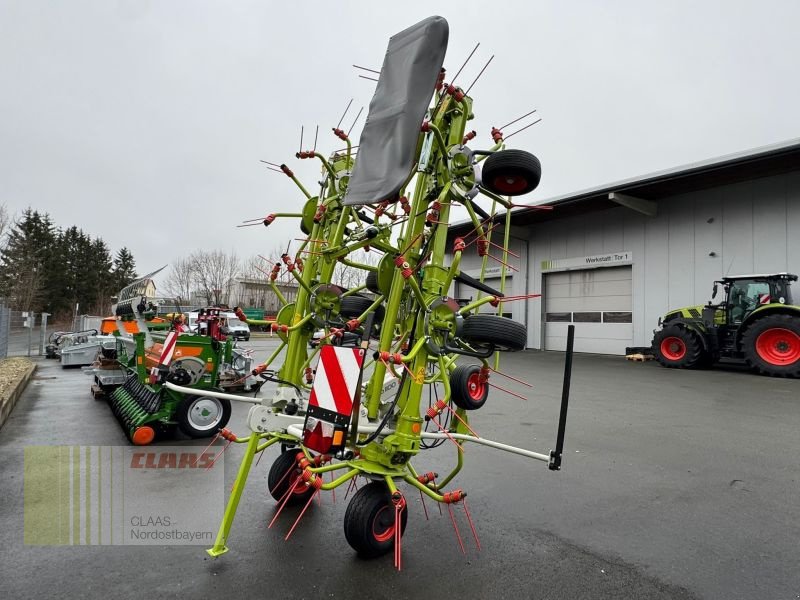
372 282
202 416
679 348
771 345
354 306
511 172
369 521
283 474
466 388
500 332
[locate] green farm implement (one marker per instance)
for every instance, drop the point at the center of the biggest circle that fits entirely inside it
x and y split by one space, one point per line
384 382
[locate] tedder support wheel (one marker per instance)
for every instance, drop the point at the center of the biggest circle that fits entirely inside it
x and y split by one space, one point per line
372 282
369 521
500 332
354 306
466 388
771 345
511 172
283 474
202 416
679 348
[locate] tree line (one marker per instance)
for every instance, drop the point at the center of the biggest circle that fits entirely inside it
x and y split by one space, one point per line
46 268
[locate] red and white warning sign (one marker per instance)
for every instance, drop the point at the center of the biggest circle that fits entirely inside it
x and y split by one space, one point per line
169 348
763 298
332 395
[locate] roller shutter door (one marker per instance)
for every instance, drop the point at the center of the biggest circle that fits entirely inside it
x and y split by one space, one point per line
597 301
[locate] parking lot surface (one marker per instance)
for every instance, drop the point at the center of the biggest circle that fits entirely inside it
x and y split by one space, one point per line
675 484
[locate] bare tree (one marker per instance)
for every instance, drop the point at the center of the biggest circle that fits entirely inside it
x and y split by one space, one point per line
215 272
5 223
180 283
347 276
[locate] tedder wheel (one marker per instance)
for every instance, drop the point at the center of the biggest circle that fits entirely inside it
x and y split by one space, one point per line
202 416
771 345
511 172
679 348
372 282
283 474
466 388
369 520
354 306
504 334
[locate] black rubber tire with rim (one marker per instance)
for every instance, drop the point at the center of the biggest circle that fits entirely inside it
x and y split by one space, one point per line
511 172
369 521
354 306
679 348
466 389
279 480
771 345
189 424
504 334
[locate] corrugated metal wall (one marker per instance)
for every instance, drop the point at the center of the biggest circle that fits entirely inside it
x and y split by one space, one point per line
750 227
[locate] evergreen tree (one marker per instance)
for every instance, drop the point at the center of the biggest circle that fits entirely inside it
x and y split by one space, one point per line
26 260
124 271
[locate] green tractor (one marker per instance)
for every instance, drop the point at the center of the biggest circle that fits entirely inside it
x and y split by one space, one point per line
755 321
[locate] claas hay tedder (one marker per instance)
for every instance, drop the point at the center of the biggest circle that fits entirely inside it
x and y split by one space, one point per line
389 379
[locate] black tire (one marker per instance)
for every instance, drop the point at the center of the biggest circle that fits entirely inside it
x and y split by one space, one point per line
279 482
679 348
771 345
466 389
197 418
502 333
369 521
354 306
372 282
511 172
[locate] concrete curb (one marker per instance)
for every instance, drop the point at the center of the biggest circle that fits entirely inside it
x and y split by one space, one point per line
7 404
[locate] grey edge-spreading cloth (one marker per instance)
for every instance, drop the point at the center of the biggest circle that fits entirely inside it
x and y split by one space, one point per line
388 142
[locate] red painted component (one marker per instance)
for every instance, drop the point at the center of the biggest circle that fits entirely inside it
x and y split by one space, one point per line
427 477
404 204
778 346
305 154
459 245
399 505
320 213
497 135
483 246
440 80
276 269
402 264
269 219
228 434
280 328
510 184
470 135
484 374
495 301
673 348
426 127
287 170
454 496
340 134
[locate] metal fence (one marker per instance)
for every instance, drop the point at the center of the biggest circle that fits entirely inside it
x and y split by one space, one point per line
22 333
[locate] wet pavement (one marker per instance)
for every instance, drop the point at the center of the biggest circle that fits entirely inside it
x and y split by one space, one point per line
674 485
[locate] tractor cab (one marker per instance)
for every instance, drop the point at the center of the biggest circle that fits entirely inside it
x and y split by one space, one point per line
746 293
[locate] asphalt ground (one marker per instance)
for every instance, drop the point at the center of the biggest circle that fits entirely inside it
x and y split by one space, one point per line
675 484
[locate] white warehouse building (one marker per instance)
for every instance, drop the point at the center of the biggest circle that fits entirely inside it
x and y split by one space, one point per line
613 259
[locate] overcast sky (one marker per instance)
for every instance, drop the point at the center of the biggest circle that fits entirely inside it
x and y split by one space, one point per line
143 122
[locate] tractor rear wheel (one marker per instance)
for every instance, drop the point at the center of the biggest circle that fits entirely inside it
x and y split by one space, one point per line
771 345
679 348
282 476
369 521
